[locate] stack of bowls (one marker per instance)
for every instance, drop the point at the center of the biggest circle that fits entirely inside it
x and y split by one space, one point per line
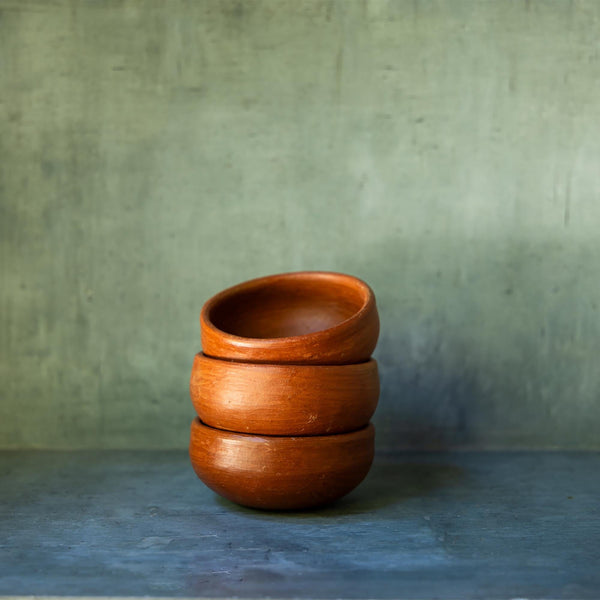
284 390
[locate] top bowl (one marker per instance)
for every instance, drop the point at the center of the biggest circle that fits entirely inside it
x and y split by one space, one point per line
308 317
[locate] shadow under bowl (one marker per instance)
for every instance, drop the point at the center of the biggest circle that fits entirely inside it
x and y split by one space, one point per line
280 473
309 317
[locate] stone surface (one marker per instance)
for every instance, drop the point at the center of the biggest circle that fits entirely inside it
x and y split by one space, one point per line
424 525
153 153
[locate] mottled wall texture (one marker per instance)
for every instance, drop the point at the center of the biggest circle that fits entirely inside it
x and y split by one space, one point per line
153 153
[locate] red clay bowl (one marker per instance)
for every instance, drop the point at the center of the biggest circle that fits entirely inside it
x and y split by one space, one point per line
305 318
284 399
280 473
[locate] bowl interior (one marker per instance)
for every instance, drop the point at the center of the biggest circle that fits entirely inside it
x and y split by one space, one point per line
288 307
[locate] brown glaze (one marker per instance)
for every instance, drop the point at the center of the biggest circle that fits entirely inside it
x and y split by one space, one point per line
284 399
309 317
280 473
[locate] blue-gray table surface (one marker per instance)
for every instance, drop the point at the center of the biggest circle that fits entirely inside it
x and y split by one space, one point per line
422 525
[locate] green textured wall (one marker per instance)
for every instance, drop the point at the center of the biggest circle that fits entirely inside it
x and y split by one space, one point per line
152 153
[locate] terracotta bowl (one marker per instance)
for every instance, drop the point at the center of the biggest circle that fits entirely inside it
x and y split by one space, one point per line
305 318
284 399
280 473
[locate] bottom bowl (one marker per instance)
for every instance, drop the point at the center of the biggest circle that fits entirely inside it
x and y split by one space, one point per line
280 472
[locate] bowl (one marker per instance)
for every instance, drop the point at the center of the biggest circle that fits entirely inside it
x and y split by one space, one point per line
275 399
280 473
308 317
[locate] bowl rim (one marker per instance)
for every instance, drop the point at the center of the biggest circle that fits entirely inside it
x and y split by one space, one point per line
251 284
367 430
370 363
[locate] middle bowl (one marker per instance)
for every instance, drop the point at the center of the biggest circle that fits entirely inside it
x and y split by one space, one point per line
272 399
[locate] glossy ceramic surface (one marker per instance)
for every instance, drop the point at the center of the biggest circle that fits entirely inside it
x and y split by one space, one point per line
280 473
284 399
